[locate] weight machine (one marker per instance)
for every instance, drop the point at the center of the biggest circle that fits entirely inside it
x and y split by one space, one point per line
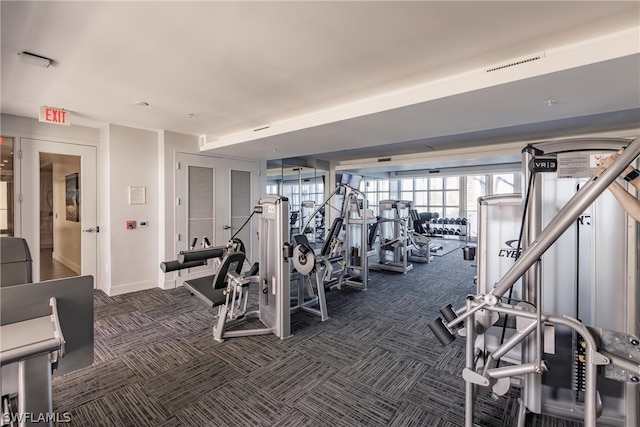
343 258
308 219
576 313
394 245
418 239
228 289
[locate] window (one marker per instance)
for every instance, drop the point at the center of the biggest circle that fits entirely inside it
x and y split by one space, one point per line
310 189
272 189
504 184
406 189
444 197
448 196
375 189
476 187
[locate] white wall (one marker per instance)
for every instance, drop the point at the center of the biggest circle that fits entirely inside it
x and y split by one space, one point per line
26 127
133 161
66 234
104 214
128 260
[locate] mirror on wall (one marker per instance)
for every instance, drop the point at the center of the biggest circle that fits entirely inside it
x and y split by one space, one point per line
304 184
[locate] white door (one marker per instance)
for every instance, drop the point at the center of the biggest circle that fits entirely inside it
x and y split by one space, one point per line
68 209
241 195
196 213
214 198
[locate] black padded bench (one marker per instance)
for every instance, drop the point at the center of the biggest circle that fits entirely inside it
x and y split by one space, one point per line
211 289
202 287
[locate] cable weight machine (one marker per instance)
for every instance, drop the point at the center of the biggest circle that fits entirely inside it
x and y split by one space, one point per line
604 357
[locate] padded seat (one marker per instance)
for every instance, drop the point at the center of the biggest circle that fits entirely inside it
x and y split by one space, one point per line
201 287
210 289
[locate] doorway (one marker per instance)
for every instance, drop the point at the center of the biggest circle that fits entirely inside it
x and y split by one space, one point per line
214 198
241 188
59 208
195 208
60 243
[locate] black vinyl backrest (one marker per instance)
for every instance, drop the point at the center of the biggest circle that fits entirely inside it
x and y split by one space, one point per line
333 234
294 218
428 216
373 231
232 262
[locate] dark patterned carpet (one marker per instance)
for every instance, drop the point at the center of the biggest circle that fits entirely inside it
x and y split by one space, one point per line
373 363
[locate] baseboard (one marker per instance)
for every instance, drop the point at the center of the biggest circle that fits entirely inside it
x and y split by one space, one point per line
130 287
68 263
167 284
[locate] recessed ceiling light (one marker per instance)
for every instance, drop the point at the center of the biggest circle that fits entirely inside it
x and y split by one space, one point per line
141 103
550 102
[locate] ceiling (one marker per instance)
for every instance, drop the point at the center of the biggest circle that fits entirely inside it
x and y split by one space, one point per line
330 80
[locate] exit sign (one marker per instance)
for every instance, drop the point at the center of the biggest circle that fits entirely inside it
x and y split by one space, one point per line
54 115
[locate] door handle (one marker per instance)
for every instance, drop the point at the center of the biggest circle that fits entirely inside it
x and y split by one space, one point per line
89 230
226 227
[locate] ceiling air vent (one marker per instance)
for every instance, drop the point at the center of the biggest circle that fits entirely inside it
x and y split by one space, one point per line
384 159
513 64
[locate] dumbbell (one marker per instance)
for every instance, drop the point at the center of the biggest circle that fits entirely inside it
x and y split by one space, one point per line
463 221
440 221
458 221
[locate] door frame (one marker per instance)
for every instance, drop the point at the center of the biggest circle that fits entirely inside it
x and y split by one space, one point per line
222 203
181 240
29 199
252 168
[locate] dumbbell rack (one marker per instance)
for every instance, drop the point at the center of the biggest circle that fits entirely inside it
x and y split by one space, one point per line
450 228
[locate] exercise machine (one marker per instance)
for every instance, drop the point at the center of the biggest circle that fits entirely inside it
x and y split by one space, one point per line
422 221
228 288
359 230
46 329
305 264
308 219
394 246
343 258
575 311
418 239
